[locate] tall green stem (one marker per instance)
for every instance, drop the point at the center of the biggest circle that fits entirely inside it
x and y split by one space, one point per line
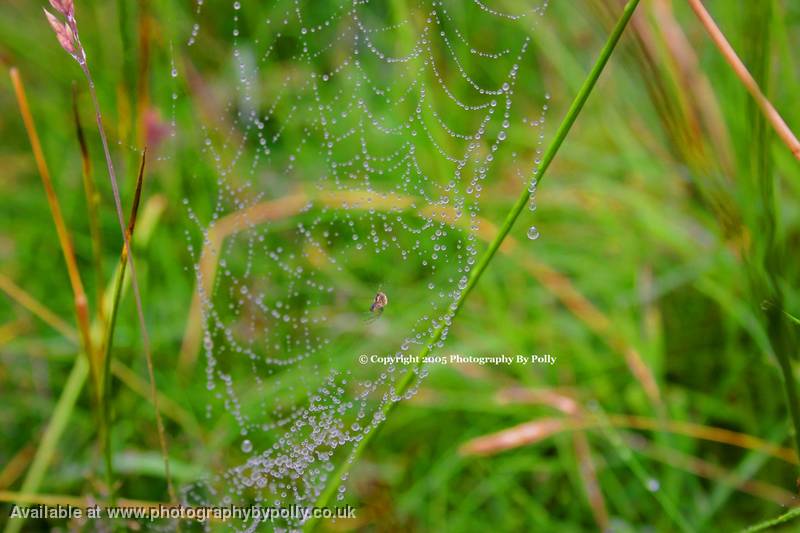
524 197
108 341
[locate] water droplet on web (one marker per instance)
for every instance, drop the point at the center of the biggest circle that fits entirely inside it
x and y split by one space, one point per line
653 485
533 233
247 446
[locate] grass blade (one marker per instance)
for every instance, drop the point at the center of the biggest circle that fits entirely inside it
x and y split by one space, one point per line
27 301
92 203
108 341
769 524
81 304
52 434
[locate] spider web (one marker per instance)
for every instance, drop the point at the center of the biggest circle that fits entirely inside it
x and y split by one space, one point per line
351 153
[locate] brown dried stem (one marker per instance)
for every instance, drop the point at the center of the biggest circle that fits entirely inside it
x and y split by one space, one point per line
532 432
79 296
727 51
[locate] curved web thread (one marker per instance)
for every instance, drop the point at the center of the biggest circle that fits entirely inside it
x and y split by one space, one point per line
383 127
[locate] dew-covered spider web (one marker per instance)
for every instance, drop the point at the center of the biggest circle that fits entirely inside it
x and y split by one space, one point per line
342 149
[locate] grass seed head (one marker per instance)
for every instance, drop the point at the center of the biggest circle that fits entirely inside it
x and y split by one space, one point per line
65 35
65 7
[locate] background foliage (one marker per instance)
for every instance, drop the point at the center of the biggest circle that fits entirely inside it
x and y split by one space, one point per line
662 254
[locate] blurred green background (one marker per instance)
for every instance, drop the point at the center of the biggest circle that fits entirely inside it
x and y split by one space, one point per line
663 281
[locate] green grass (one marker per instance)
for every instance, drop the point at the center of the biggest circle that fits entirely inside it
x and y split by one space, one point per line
673 219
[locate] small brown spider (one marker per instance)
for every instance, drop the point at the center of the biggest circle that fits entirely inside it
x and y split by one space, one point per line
376 309
378 303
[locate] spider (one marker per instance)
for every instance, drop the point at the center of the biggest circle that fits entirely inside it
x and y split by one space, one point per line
376 309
